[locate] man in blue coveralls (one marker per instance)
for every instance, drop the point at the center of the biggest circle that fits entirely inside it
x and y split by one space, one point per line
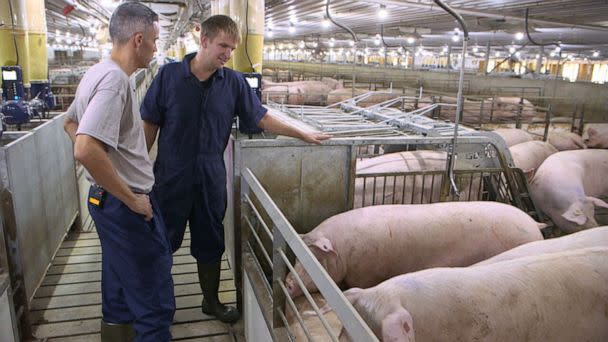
193 102
136 285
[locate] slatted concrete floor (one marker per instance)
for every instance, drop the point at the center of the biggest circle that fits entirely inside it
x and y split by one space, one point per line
67 306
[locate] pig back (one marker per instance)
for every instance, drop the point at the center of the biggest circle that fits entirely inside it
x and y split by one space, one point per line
594 237
531 154
378 242
382 188
550 297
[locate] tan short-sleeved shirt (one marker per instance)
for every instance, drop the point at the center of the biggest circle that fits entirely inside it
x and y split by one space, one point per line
103 108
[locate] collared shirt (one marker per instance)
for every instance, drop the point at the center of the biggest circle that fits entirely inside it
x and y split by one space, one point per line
195 118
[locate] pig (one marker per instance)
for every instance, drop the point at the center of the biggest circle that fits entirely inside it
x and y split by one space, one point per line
564 141
513 136
594 237
565 187
504 110
341 94
296 93
528 156
389 179
365 246
549 297
596 139
415 190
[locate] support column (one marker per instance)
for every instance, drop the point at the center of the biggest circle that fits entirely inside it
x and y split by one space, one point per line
539 60
449 66
223 7
9 35
249 14
488 50
36 31
180 49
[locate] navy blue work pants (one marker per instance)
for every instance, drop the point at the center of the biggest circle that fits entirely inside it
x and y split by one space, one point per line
202 206
136 283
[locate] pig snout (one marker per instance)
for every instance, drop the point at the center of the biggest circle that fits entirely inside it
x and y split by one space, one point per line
293 289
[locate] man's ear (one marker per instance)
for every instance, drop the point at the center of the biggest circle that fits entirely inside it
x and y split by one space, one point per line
138 38
204 40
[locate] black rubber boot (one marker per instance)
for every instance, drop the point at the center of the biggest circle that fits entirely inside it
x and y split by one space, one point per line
209 278
117 332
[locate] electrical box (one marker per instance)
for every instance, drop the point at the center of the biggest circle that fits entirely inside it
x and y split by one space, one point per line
12 83
255 82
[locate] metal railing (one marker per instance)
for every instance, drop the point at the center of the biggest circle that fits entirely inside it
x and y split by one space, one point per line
257 209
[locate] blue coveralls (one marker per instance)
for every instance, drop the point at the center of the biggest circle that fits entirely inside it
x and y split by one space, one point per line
195 121
136 283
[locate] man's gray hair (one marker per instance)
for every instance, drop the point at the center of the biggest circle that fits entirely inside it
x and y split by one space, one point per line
129 18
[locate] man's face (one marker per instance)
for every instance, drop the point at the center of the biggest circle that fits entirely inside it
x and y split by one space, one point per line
146 46
218 51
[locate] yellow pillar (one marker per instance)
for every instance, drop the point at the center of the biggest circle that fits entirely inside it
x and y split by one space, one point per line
36 31
180 49
10 35
251 17
223 7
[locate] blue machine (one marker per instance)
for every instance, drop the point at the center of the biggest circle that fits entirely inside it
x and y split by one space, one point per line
16 112
15 109
42 90
42 98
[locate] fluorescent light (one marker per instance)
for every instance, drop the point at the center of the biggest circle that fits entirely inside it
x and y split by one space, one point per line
382 13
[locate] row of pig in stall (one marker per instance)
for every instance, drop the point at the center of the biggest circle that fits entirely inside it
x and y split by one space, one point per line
478 270
329 91
565 177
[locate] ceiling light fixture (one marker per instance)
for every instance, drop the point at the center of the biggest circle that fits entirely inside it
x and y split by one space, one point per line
382 13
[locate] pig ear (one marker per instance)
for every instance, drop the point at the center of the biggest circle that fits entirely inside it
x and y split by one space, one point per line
398 326
353 294
529 173
597 202
323 244
575 214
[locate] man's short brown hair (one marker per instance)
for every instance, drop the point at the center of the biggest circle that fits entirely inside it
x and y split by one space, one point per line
212 26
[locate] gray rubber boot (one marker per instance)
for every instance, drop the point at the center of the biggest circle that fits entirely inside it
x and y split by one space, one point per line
117 332
209 278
